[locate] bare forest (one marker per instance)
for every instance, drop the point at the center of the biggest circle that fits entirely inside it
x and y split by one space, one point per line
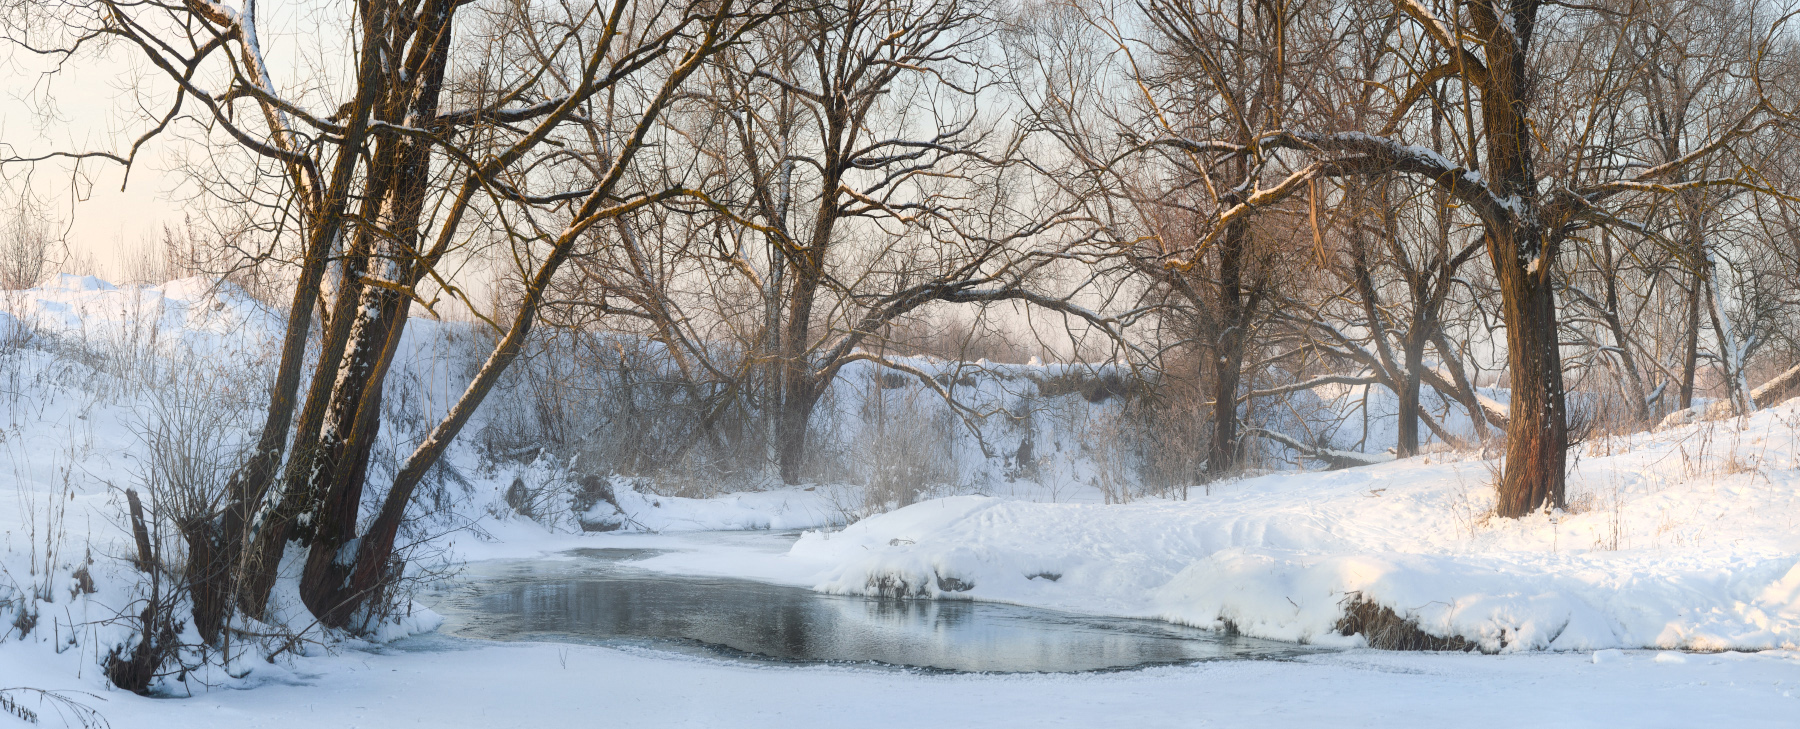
892 250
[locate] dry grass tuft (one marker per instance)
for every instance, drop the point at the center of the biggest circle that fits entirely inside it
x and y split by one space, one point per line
1384 629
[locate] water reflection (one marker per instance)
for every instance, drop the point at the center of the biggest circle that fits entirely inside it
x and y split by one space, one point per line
597 599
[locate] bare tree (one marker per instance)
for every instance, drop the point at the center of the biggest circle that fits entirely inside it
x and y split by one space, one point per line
1493 59
1219 70
1693 57
390 186
1398 266
868 186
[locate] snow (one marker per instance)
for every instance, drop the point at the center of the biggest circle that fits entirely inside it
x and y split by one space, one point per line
1685 540
440 682
789 508
1678 548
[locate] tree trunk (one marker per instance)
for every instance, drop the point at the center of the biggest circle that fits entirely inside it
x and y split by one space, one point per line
1228 365
208 578
248 574
329 457
773 371
330 526
354 421
1690 356
798 390
347 583
1407 442
274 513
1737 386
1222 457
1460 386
791 425
1523 248
1634 378
1537 438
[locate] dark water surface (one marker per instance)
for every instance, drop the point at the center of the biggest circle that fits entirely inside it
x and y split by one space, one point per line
599 598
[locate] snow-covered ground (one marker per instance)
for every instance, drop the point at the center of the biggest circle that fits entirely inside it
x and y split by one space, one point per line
1685 539
1688 539
440 682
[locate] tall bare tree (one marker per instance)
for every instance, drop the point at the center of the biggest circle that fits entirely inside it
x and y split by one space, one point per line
869 185
1219 71
1522 164
413 165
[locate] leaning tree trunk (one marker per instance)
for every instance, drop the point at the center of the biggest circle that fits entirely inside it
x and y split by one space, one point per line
355 418
1459 385
288 496
349 583
324 581
321 492
219 580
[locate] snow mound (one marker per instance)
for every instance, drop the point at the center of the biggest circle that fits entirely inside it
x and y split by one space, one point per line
199 313
778 509
1683 539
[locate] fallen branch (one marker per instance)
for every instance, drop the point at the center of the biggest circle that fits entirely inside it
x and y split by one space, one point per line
1777 389
1335 459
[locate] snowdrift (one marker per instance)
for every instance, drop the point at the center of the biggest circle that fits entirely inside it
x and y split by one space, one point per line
1683 539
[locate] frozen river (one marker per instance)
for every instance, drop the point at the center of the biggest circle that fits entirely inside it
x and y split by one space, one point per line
596 596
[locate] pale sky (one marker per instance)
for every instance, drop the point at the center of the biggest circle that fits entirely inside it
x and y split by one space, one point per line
100 219
96 109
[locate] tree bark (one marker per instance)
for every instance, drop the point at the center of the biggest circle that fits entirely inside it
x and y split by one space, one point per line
1407 441
798 389
232 556
1523 252
286 499
1737 386
331 542
328 459
1537 438
1459 385
1228 365
1690 359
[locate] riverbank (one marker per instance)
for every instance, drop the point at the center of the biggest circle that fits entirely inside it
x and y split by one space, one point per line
1687 538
